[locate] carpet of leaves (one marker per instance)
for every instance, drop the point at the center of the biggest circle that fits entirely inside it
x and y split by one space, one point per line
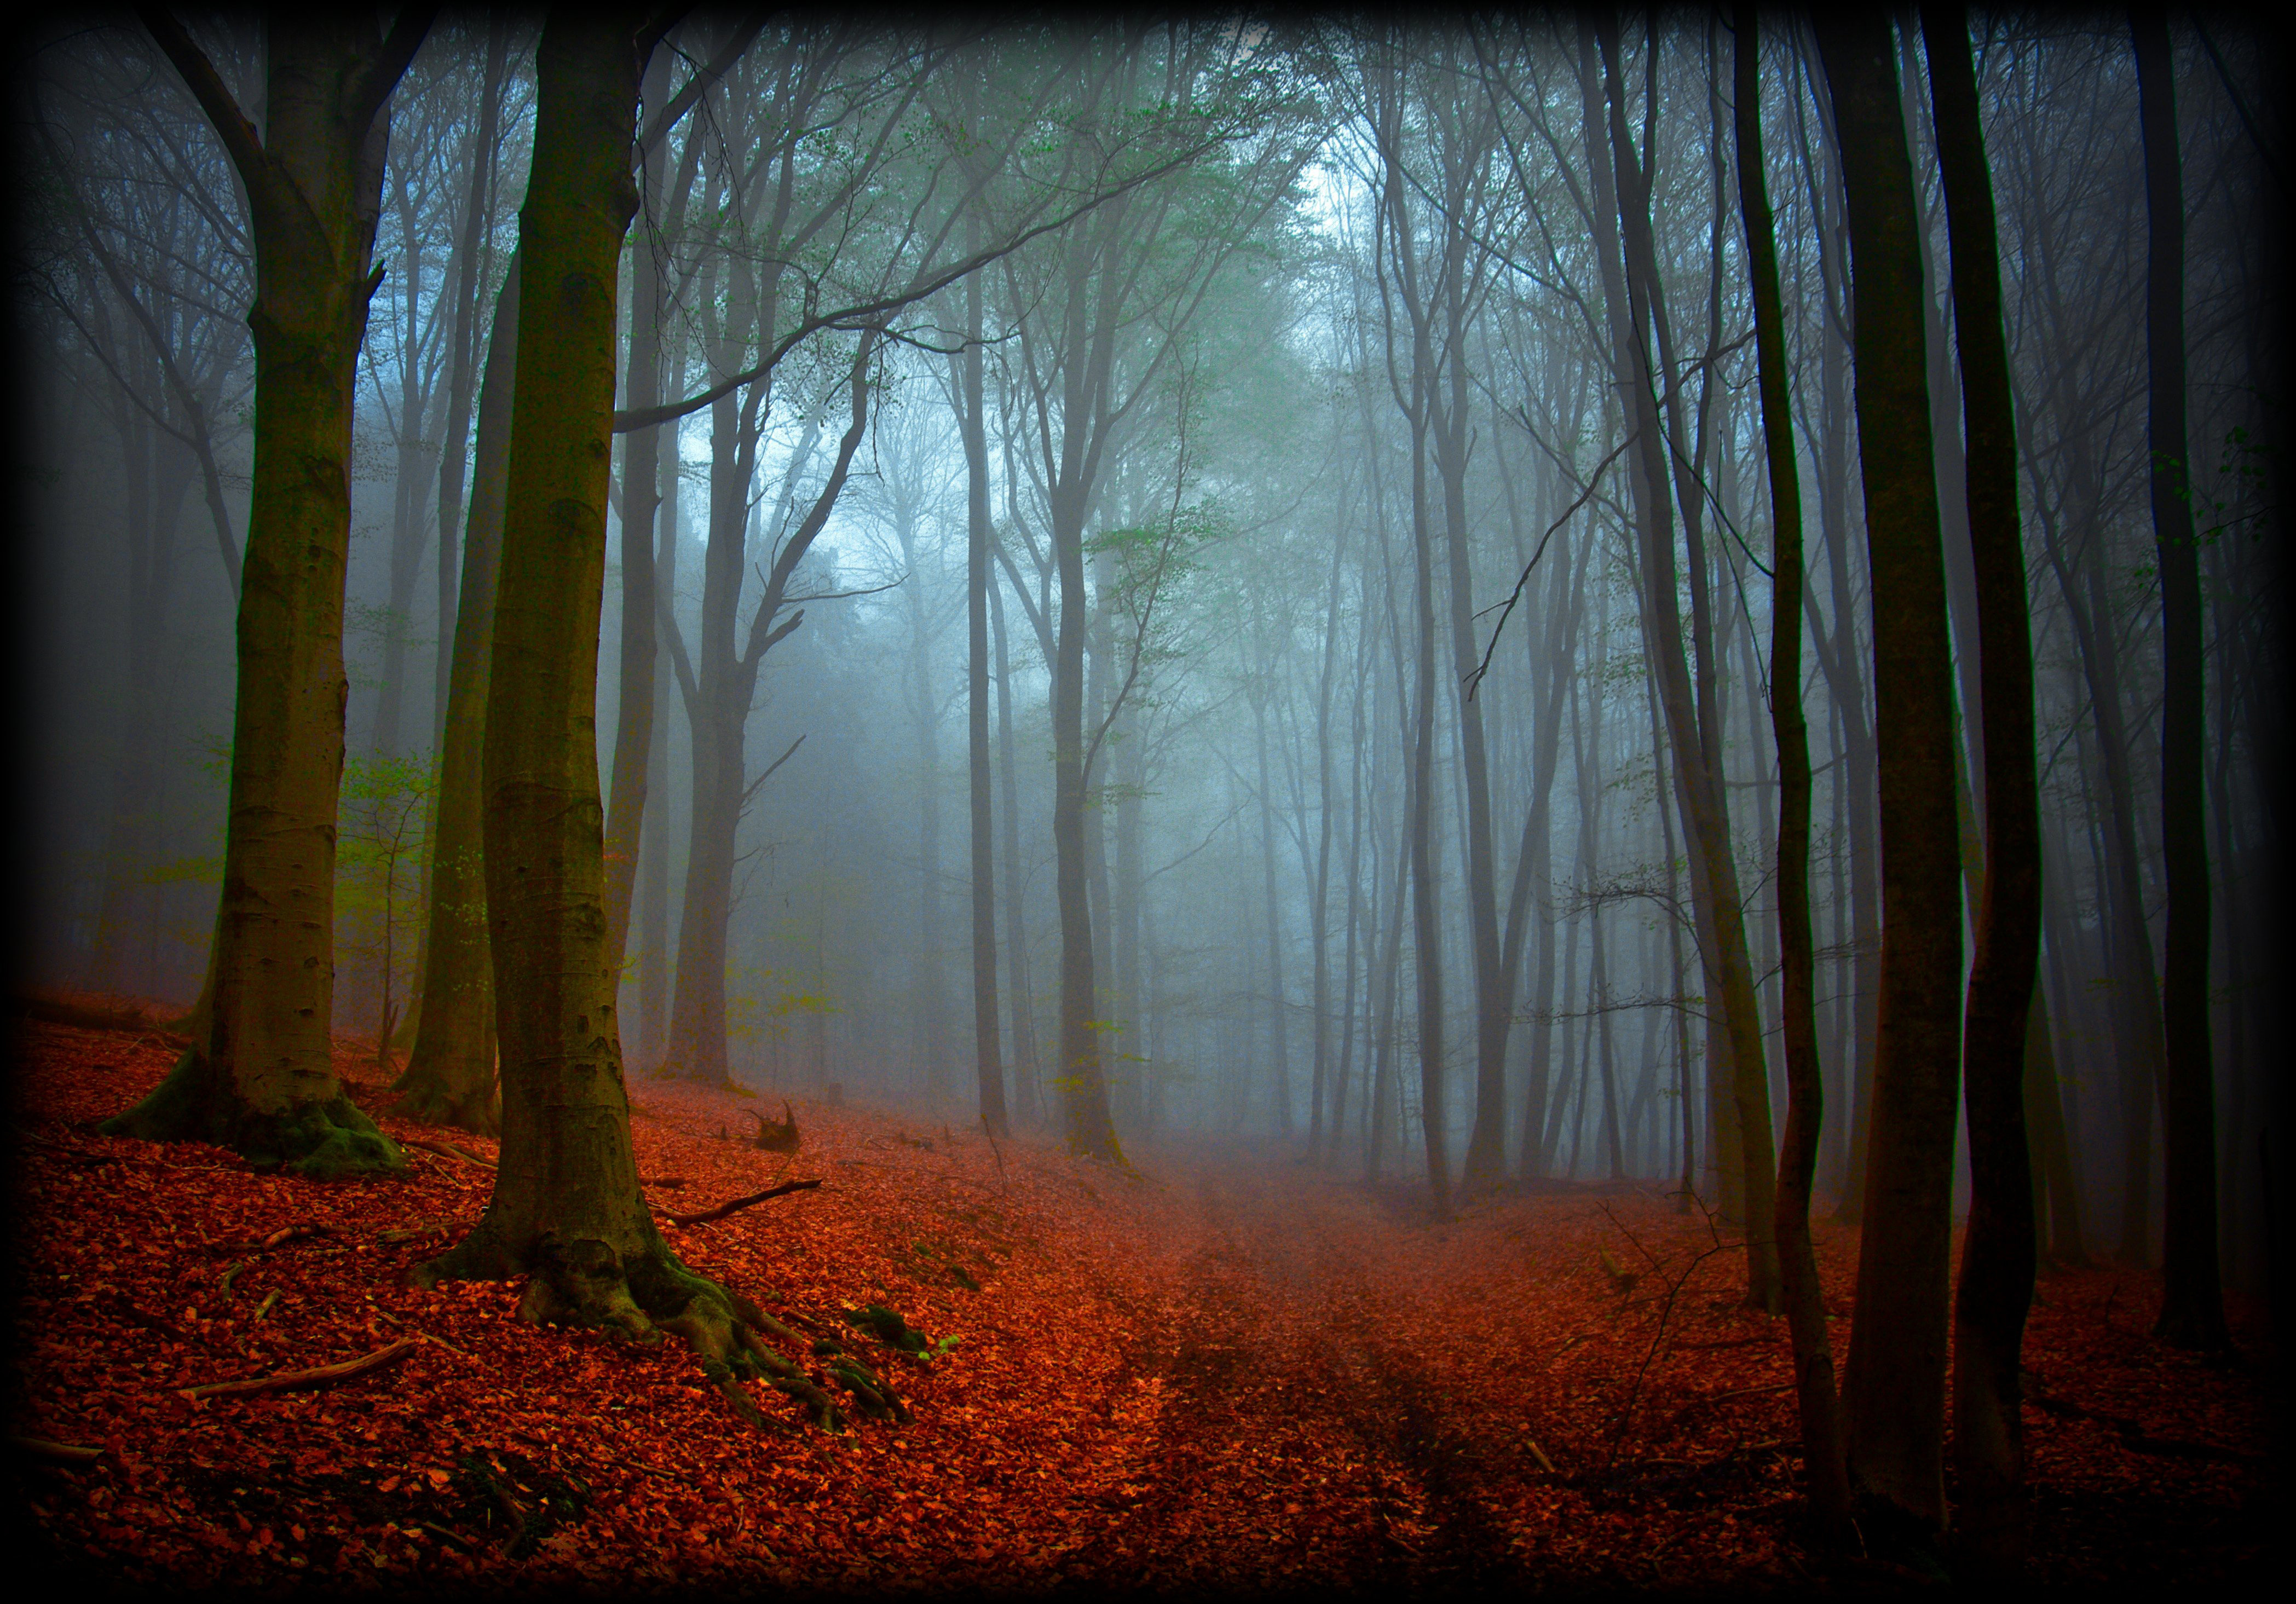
1210 1373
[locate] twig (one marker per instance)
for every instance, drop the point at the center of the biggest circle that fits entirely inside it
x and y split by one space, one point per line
55 1453
1736 1392
231 1275
426 1336
1666 1313
325 1375
657 1475
445 1149
739 1204
264 1308
1539 1454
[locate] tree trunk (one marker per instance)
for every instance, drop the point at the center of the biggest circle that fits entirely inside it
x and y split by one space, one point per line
1027 1073
1696 755
260 1077
567 1205
2192 1304
1996 1270
1819 1405
634 690
980 575
450 1074
1895 1377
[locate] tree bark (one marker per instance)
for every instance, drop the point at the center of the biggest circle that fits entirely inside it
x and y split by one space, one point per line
260 1077
1895 1377
1997 1269
450 1074
2192 1304
980 575
566 1205
1819 1404
1696 753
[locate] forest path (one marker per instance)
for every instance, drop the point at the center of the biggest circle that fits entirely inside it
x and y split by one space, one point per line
1305 1436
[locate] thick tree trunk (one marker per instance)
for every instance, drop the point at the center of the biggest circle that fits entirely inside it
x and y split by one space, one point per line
2192 1304
260 1077
450 1075
1895 1377
1824 1463
567 1206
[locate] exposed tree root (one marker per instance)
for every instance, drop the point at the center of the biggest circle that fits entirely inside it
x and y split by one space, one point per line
636 1297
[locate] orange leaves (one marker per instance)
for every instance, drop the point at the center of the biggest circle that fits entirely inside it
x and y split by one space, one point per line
1229 1378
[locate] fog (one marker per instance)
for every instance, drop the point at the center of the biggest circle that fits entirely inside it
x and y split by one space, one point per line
1298 338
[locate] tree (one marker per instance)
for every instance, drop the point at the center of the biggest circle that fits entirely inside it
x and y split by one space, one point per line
2192 1305
1894 1382
259 1076
1805 1302
450 1076
1996 1265
567 1210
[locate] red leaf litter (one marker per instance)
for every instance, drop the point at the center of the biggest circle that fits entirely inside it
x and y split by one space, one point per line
1210 1373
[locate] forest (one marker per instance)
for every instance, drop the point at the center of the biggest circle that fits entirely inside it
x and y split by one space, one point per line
1231 802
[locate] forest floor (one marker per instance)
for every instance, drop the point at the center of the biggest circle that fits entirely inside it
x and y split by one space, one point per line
1212 1373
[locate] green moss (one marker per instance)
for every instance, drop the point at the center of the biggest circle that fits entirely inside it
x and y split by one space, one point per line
323 1141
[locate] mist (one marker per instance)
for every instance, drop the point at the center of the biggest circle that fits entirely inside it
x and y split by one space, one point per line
1207 592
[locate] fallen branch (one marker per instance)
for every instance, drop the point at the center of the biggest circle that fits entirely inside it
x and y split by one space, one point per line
325 1375
445 1149
55 1453
1736 1392
1539 1454
739 1204
277 1238
425 1335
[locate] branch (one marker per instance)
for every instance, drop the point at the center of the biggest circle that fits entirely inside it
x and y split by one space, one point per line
884 304
739 1204
381 75
240 140
1475 680
695 86
325 1375
776 763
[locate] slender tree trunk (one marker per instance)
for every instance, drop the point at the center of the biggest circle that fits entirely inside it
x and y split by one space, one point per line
653 837
2192 1305
1698 776
1996 1273
463 360
1819 1405
634 690
450 1074
1895 1378
1027 1076
980 576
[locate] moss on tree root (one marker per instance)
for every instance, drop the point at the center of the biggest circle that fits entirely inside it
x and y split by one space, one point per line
637 1296
322 1140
